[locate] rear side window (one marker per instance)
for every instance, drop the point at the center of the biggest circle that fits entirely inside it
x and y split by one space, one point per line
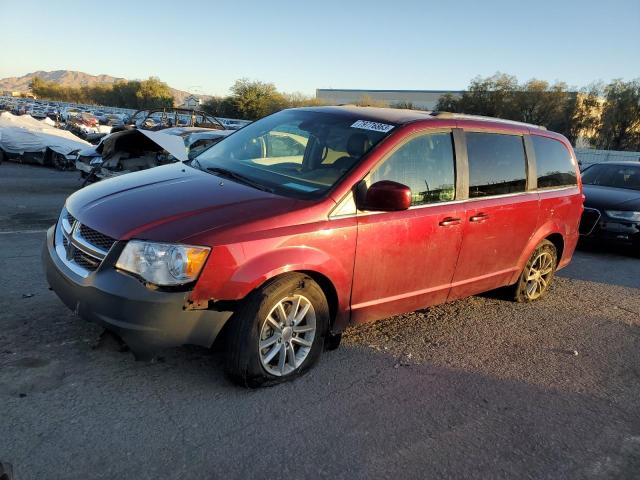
426 165
554 163
497 164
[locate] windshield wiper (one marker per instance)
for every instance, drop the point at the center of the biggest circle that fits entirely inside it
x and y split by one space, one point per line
238 177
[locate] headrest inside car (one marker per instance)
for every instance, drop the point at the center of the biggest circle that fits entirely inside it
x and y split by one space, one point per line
357 145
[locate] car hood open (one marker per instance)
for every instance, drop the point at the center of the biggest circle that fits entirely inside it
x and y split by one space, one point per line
171 143
171 203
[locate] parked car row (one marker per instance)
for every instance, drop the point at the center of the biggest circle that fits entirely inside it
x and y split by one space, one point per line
60 111
93 124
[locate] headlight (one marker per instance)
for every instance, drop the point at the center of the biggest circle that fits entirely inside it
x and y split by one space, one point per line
163 263
624 215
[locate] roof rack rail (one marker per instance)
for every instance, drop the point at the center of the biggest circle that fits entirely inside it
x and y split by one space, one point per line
464 116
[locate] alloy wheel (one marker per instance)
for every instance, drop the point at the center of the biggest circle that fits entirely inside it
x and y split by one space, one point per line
287 335
539 275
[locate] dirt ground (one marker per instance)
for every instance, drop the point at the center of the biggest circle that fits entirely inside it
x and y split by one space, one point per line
478 388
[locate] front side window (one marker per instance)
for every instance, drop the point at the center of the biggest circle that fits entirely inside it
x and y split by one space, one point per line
553 163
425 164
497 164
300 153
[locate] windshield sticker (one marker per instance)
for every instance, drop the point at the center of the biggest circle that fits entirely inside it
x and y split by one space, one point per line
375 126
297 186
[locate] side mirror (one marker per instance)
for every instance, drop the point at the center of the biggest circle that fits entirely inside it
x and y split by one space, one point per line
387 196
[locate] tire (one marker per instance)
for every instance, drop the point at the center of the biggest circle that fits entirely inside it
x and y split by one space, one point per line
58 161
533 284
260 320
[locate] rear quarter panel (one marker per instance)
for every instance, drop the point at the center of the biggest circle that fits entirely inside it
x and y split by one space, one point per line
560 211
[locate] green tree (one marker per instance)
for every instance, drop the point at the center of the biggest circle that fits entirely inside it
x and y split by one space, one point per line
255 99
221 107
585 121
491 96
152 93
404 105
501 96
448 103
620 119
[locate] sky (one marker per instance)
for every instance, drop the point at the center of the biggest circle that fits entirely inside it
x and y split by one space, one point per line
203 47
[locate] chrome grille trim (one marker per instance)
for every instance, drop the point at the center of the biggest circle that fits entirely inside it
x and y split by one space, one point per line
61 244
67 221
80 248
89 248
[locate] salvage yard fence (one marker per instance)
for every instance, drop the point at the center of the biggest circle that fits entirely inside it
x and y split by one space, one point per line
589 156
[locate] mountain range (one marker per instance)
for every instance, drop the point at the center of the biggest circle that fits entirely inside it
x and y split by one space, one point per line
71 78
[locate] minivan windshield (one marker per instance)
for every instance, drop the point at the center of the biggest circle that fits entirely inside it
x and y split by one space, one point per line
618 176
298 153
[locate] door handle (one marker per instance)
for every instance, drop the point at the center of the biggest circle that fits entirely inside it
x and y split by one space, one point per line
479 217
449 221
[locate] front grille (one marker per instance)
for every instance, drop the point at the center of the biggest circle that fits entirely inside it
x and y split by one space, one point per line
85 261
80 247
588 221
103 242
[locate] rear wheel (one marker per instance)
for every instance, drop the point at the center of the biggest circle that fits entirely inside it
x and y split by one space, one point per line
278 333
59 161
536 278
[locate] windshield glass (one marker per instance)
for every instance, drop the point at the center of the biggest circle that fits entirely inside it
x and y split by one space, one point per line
298 153
618 176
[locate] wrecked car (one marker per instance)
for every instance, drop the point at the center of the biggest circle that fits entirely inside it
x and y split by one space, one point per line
133 150
162 118
27 140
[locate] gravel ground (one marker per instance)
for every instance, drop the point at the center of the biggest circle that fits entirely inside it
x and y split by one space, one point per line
478 388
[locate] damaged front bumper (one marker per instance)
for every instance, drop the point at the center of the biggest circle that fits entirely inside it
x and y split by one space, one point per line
145 319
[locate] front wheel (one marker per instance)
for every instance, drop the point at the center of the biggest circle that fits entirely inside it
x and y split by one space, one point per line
536 278
278 332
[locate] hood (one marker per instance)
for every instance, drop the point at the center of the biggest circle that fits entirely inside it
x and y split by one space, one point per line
135 138
171 203
597 196
171 143
88 152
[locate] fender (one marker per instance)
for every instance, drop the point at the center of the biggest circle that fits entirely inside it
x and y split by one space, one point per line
254 271
290 259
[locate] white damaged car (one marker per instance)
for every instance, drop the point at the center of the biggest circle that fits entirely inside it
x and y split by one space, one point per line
134 150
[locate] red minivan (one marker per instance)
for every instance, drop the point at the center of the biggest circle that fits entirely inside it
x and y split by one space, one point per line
311 219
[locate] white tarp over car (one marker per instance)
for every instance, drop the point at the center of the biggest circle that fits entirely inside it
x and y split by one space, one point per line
20 134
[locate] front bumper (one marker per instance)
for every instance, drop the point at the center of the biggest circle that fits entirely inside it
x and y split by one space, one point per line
595 224
145 319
